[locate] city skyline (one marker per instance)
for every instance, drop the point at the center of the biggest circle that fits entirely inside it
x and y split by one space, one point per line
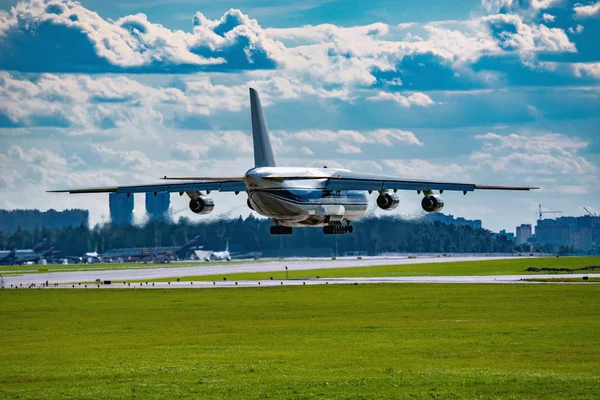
492 91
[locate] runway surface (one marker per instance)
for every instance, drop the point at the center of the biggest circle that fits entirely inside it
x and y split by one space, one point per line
225 268
493 279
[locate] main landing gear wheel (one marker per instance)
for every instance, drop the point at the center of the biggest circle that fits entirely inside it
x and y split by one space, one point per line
337 229
281 230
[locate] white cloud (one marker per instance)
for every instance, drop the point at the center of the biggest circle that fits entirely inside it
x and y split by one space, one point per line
547 154
114 105
413 99
314 57
577 30
348 149
514 34
87 42
424 169
548 17
586 11
385 137
132 159
587 69
406 25
218 144
518 5
306 151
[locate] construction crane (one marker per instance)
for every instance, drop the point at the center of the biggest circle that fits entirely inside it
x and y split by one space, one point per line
589 212
546 212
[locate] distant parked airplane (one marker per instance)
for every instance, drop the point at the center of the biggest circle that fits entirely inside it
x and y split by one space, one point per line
292 197
154 254
208 255
26 256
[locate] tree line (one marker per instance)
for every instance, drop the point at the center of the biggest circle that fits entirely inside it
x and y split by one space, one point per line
251 235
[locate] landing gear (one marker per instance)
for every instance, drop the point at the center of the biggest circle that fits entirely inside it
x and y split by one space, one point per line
337 229
281 230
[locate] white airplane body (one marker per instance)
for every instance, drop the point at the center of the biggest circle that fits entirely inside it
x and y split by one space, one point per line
292 197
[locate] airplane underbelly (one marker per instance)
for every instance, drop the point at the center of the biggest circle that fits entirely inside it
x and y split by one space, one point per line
308 207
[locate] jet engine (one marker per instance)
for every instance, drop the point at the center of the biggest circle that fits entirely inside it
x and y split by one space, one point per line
432 203
202 205
387 201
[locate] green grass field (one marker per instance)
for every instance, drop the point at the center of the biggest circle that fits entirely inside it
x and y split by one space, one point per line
414 341
516 266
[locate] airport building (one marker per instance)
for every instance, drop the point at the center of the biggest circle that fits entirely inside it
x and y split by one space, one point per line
121 208
524 233
450 220
28 220
157 206
582 233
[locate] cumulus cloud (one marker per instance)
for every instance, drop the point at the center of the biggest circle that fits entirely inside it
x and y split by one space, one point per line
219 144
576 30
586 11
506 6
53 36
418 169
413 99
348 149
512 33
548 17
92 104
587 69
547 154
306 151
130 159
385 137
82 103
64 36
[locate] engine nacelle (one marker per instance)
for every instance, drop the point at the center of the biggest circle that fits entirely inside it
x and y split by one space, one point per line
388 201
432 203
202 205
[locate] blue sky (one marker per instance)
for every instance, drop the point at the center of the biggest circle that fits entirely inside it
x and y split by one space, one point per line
493 91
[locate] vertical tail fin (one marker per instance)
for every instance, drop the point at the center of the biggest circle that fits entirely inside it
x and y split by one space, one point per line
263 153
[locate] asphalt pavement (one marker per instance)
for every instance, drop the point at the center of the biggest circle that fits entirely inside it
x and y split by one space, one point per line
225 268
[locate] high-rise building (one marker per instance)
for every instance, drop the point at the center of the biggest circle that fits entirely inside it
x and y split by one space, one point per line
581 240
579 232
556 235
157 207
524 233
121 208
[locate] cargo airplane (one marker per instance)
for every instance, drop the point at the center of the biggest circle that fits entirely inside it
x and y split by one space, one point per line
330 198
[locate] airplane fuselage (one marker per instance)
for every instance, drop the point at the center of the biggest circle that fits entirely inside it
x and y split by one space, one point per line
302 202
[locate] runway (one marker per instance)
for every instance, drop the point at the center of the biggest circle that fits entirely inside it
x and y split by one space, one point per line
225 268
492 279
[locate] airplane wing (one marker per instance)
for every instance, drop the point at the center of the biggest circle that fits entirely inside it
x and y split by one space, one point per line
221 186
356 181
346 180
